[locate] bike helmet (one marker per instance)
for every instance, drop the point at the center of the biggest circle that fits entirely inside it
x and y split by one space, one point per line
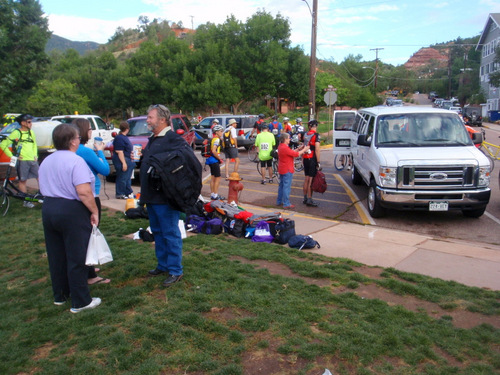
24 117
275 117
299 119
262 115
312 123
217 128
286 119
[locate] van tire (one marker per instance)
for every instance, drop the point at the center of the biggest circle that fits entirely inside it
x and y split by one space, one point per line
356 178
373 200
474 213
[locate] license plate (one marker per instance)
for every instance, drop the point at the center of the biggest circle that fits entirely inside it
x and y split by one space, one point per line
343 142
438 206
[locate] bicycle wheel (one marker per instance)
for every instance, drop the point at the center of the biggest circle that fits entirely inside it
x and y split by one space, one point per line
4 202
339 162
276 174
298 165
252 153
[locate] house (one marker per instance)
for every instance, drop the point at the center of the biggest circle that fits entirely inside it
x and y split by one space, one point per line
488 43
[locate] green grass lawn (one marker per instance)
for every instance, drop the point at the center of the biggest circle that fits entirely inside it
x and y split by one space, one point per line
231 316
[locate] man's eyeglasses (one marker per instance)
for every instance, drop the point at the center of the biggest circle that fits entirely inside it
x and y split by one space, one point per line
29 121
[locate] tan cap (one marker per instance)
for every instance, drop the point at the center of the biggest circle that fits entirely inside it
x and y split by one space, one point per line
231 122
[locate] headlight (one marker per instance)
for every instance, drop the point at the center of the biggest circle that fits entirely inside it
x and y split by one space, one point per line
484 176
387 176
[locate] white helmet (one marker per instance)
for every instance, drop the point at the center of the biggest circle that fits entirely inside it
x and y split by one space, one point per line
217 128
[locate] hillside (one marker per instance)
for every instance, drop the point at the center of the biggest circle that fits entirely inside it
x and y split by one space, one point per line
59 43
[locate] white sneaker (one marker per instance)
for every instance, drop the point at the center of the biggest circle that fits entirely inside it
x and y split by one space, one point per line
28 204
96 301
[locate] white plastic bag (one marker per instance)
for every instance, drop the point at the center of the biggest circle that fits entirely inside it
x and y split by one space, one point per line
98 251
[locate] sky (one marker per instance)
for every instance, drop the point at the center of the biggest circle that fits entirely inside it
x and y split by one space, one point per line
393 30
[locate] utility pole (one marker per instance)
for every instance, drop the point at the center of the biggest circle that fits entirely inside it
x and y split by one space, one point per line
192 24
312 70
376 65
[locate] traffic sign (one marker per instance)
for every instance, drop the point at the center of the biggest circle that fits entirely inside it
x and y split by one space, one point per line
330 97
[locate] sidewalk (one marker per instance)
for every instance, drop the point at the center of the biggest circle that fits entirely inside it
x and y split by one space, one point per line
472 264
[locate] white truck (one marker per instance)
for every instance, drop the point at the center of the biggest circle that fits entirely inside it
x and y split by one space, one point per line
414 158
99 127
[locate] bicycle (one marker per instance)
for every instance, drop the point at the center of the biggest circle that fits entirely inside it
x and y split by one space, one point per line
274 167
9 190
491 151
342 161
253 152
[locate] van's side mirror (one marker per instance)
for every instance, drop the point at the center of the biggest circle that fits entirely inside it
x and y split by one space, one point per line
477 138
180 131
363 140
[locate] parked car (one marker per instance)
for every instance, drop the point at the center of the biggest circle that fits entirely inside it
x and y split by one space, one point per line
472 116
139 135
437 102
99 127
418 158
395 103
243 128
455 109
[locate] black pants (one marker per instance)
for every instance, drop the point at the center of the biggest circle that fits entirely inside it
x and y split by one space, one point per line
67 228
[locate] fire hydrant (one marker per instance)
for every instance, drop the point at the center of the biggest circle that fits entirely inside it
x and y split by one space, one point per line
235 186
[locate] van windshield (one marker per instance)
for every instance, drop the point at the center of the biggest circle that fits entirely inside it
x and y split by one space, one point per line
421 130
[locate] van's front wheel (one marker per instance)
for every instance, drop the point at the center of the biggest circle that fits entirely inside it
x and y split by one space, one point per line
374 207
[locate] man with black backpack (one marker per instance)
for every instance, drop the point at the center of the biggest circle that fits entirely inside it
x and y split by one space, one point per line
166 148
27 164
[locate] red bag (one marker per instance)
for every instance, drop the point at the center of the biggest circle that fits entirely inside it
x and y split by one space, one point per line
319 182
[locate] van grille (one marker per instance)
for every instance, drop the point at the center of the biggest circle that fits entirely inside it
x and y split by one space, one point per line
432 177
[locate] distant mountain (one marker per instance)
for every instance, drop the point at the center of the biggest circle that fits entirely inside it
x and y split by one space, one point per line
62 44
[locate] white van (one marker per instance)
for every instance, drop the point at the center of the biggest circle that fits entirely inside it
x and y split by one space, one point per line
416 158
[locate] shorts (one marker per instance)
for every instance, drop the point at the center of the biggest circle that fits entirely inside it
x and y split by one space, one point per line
266 163
231 153
215 169
27 169
310 167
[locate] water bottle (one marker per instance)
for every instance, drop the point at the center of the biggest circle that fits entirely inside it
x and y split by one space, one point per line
13 159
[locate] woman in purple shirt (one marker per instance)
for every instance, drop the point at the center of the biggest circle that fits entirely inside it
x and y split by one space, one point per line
68 213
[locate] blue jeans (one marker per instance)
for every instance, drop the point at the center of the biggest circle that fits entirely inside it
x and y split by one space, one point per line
123 179
164 222
284 190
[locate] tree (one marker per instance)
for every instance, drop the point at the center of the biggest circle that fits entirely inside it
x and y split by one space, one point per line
23 35
58 97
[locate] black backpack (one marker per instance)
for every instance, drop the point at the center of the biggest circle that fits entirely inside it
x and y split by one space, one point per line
177 173
300 242
226 139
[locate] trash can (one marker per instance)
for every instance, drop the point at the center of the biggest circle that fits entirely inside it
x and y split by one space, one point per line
494 115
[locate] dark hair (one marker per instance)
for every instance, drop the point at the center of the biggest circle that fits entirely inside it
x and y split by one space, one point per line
83 126
284 137
62 136
124 125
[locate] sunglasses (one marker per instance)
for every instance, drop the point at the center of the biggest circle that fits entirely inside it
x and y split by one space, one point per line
161 109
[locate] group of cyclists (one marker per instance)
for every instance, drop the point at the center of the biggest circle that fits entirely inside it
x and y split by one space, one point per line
299 138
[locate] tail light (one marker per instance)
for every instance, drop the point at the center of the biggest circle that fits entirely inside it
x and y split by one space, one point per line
241 132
